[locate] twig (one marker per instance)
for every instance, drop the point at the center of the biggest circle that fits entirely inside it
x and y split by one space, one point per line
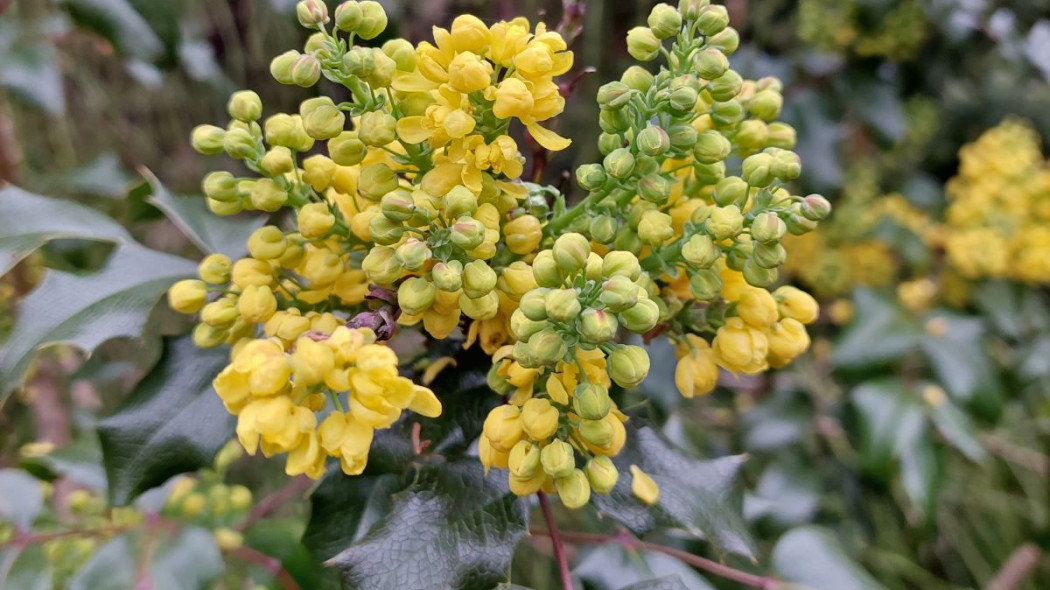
284 580
571 24
629 542
559 549
270 503
22 539
1017 567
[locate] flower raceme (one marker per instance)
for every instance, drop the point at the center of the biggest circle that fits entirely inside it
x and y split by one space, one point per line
406 212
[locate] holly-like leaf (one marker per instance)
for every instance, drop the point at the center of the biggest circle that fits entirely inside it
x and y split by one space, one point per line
787 492
453 527
813 558
30 221
611 567
961 361
172 423
186 560
344 508
21 498
880 333
699 496
207 231
87 310
956 428
665 583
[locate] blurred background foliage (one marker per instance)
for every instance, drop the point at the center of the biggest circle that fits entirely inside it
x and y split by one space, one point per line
912 443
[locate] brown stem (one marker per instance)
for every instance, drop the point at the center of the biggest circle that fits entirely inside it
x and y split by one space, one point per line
707 565
272 502
1017 567
559 549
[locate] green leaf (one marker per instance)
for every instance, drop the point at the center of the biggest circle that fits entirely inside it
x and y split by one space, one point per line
172 423
120 23
781 420
956 428
611 567
666 583
880 332
961 361
920 470
882 407
21 498
186 560
699 496
813 557
85 311
28 66
788 492
344 508
207 231
453 527
28 569
104 177
30 221
80 461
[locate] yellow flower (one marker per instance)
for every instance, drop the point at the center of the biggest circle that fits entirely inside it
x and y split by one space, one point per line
740 348
468 33
469 73
696 372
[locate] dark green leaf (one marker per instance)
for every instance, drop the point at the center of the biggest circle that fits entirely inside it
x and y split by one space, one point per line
28 569
104 177
611 567
120 23
452 528
880 332
813 557
209 232
172 423
86 311
30 221
956 427
21 498
918 457
112 567
344 508
699 496
779 421
28 68
787 492
961 361
878 105
187 560
666 583
882 407
80 461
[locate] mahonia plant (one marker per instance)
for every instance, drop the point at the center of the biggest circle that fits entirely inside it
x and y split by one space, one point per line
415 217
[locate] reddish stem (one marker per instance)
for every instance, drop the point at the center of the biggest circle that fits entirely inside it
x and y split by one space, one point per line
559 549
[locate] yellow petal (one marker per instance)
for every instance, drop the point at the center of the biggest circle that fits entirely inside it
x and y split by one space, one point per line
411 129
547 138
425 403
412 82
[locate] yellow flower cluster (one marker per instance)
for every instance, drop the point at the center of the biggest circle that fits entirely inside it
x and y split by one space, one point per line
998 216
838 25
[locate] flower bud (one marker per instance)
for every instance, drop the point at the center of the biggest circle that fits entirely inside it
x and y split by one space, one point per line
187 296
385 231
478 279
546 347
797 224
467 233
597 432
447 276
597 326
321 118
315 219
727 114
281 66
415 295
215 269
278 161
397 206
727 41
642 44
375 181
207 139
781 135
787 340
796 304
712 19
757 170
312 14
607 142
558 459
502 427
381 266
628 365
480 308
459 202
220 186
239 143
643 487
665 21
373 20
700 251
570 253
711 147
731 191
768 228
614 95
539 419
306 71
751 135
256 303
524 459
591 401
377 128
573 489
402 53
655 228
590 177
627 240
682 100
602 474
725 87
816 208
521 327
205 336
245 106
769 255
653 141
621 263
642 317
637 78
287 130
267 243
534 304
705 284
757 276
766 104
619 163
724 222
348 16
710 64
413 255
786 165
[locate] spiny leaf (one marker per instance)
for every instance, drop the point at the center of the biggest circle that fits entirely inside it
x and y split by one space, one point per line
813 557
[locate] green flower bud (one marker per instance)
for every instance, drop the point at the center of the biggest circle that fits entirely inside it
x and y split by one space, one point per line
348 16
397 205
385 231
570 252
608 142
591 401
766 104
207 139
628 366
682 137
597 326
215 269
712 19
205 336
724 222
655 228
373 20
245 106
268 196
731 191
642 44
459 202
637 78
727 41
602 474
700 251
767 228
614 95
781 135
619 293
534 304
705 284
220 313
220 186
278 161
682 100
281 66
597 432
769 255
413 254
312 14
642 317
653 141
621 263
708 174
655 188
786 165
816 208
546 348
482 308
415 295
798 224
522 327
573 490
287 131
727 113
402 52
546 271
751 135
711 147
619 163
447 276
377 128
467 233
498 383
375 181
223 209
757 170
321 118
665 21
524 459
558 459
239 143
590 177
306 71
701 213
628 241
757 276
710 64
346 149
602 228
381 266
478 279
726 86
